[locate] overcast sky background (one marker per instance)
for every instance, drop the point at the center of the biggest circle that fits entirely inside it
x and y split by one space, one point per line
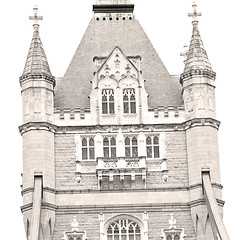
168 27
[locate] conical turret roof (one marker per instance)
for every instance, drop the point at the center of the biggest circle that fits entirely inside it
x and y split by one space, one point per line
36 63
197 56
106 30
197 60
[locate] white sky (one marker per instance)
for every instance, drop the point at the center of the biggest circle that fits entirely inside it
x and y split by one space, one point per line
168 27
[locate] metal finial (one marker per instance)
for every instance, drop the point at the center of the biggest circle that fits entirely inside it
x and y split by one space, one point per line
35 18
195 14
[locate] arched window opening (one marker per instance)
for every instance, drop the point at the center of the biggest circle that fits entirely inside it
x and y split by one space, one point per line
108 101
124 229
109 147
152 143
129 100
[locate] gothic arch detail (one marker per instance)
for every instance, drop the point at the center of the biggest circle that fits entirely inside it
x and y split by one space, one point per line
123 227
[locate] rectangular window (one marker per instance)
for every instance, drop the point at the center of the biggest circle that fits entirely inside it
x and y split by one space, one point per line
88 150
152 147
131 147
109 147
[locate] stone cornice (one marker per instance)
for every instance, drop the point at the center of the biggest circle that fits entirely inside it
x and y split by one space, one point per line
199 73
37 126
201 201
71 191
48 206
199 122
46 77
31 189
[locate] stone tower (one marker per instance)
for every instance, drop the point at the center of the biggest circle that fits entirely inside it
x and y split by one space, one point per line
118 149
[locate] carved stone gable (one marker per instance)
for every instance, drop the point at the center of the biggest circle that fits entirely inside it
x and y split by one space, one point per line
118 66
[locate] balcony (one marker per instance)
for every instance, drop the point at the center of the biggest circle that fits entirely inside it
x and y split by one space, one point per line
121 167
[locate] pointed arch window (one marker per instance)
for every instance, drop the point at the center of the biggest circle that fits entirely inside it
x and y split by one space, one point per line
124 229
129 100
109 147
88 152
152 143
108 101
131 147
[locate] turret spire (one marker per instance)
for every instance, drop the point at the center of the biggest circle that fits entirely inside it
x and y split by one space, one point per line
197 59
36 63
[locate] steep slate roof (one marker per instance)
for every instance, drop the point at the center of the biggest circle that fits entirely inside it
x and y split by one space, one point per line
36 63
99 40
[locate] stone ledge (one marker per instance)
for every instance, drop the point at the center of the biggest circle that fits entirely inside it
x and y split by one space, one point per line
113 8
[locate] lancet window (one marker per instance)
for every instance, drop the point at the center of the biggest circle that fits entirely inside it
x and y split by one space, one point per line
129 100
88 152
152 143
131 147
108 101
124 229
109 147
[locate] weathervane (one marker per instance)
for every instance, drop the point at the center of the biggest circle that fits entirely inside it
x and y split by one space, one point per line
195 14
35 17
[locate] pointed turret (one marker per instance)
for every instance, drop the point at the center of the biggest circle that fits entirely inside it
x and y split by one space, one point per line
37 85
36 64
197 61
198 87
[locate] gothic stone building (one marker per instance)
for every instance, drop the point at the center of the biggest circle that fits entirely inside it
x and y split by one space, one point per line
118 149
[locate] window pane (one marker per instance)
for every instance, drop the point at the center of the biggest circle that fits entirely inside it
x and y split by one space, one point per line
176 237
169 237
105 142
149 141
127 151
84 142
149 152
133 107
113 141
91 153
156 151
138 237
155 140
134 152
127 141
125 107
111 107
134 141
84 154
104 108
113 152
131 237
109 237
91 142
106 152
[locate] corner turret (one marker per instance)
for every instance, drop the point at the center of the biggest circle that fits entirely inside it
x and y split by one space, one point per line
198 78
37 131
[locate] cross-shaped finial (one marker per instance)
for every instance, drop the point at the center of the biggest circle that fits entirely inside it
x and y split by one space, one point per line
185 52
35 17
195 14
